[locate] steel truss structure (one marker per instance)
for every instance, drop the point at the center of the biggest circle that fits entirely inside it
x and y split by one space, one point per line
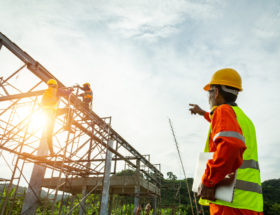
90 150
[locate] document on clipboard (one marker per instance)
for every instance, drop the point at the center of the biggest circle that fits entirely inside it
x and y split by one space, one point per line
223 192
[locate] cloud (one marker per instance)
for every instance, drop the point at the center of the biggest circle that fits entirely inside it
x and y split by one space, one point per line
150 20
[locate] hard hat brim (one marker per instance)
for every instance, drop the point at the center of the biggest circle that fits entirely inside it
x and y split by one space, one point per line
206 87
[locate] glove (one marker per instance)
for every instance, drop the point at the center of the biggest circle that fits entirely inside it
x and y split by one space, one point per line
228 180
206 192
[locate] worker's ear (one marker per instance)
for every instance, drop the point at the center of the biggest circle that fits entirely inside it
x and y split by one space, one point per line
216 93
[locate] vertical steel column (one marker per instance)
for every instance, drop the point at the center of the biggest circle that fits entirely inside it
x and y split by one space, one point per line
137 187
155 205
82 204
84 189
110 204
71 203
32 197
106 180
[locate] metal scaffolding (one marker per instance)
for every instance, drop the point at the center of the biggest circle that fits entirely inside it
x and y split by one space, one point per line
87 155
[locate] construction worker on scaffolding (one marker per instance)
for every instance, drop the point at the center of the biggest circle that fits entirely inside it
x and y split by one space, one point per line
232 138
86 95
49 105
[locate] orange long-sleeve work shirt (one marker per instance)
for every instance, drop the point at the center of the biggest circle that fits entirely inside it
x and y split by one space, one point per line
227 156
228 151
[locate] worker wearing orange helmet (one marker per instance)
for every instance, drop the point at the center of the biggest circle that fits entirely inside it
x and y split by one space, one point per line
86 95
232 138
49 105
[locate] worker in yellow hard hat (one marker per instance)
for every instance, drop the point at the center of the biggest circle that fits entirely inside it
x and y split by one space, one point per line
49 105
87 95
232 139
225 77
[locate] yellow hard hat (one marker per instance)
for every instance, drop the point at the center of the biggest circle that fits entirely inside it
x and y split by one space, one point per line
86 84
52 82
227 77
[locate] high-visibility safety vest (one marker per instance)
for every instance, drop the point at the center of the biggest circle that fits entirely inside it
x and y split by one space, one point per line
248 190
50 98
87 95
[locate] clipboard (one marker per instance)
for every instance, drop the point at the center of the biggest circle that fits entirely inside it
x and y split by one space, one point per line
223 192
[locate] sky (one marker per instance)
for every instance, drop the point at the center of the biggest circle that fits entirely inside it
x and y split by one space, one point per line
147 60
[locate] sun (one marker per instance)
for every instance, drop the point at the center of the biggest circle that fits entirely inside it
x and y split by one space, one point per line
36 119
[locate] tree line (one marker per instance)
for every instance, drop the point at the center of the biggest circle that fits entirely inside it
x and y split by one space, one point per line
171 196
174 198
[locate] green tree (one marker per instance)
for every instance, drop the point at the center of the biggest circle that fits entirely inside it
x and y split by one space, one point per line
171 176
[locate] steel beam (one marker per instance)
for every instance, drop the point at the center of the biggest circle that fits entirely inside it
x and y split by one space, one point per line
32 197
110 204
12 75
136 189
4 88
21 95
82 203
106 181
154 205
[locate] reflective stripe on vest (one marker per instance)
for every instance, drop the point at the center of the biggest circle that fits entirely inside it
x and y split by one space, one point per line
246 163
229 134
248 186
248 192
250 164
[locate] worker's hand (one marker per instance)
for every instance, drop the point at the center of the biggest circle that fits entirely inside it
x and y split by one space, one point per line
228 180
206 192
71 89
195 109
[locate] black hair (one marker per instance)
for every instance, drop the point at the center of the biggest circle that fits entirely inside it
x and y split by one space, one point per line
228 97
